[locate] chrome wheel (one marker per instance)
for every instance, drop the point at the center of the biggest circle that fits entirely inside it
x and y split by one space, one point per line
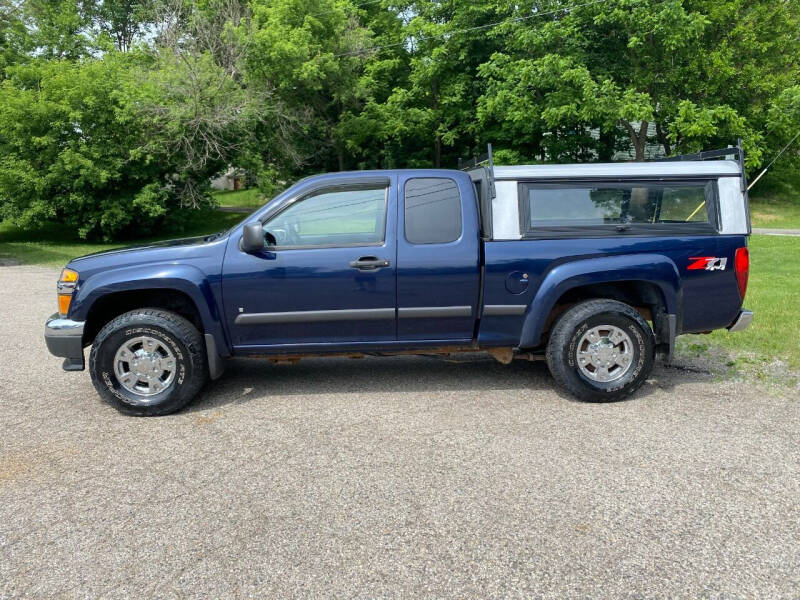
604 353
144 366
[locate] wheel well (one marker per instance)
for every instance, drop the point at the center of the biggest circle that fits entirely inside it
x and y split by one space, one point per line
644 296
117 303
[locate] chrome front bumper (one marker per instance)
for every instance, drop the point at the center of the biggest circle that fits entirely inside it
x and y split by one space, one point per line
64 337
742 322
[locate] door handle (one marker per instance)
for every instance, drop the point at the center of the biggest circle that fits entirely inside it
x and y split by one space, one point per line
368 263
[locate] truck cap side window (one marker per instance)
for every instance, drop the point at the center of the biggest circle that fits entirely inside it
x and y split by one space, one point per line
432 210
638 206
330 218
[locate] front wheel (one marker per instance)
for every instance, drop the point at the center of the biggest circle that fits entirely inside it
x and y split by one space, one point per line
601 350
148 362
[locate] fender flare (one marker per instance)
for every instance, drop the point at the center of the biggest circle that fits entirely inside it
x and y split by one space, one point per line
647 268
167 276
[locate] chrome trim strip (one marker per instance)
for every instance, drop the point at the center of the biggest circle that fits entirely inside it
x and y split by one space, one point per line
498 310
315 316
57 326
742 322
65 287
423 312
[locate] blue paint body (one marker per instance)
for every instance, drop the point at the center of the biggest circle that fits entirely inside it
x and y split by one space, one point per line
224 282
439 274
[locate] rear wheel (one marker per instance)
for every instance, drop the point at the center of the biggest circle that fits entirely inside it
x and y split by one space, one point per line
148 362
601 350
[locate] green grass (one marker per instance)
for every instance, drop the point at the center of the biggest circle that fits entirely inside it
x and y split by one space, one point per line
51 245
772 294
775 214
776 203
250 198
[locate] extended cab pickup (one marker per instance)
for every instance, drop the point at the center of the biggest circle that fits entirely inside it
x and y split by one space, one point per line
594 268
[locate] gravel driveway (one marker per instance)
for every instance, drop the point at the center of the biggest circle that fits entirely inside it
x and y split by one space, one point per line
407 477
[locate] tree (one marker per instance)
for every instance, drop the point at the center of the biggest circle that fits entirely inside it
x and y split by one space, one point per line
115 112
123 20
65 155
304 52
59 29
783 127
690 67
191 95
425 114
14 39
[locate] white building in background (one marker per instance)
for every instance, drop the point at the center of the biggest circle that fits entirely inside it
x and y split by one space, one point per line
653 149
230 180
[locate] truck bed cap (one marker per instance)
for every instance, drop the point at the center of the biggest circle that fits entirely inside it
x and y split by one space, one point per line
642 169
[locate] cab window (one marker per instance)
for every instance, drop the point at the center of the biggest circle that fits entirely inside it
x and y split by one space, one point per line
334 217
432 210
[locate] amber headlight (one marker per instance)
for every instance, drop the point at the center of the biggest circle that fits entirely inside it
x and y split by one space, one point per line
66 285
68 276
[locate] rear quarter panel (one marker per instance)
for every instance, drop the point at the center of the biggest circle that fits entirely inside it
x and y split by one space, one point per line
703 300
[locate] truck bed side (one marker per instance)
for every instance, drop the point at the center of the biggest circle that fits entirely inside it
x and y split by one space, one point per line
701 300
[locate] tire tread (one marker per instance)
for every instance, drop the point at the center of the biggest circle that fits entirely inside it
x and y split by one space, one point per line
561 333
175 325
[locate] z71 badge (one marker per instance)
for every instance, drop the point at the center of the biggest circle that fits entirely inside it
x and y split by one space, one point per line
707 263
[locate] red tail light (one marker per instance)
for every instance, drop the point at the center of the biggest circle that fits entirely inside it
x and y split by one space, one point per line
741 263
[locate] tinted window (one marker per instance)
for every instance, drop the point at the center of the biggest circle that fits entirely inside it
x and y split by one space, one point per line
332 218
614 204
432 211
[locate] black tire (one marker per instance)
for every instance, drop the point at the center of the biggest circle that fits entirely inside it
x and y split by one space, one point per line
566 334
176 333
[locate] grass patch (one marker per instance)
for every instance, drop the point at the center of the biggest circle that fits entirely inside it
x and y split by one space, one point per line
250 198
776 203
775 213
51 245
772 294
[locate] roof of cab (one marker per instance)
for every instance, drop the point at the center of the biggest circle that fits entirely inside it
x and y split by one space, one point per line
638 169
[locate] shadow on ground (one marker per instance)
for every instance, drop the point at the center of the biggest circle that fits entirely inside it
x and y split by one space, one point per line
247 379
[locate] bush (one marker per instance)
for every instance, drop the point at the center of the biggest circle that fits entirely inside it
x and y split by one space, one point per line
67 151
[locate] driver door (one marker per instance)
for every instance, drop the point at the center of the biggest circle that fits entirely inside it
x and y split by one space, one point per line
327 276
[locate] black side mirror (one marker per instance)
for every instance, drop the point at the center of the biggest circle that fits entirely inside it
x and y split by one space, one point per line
253 237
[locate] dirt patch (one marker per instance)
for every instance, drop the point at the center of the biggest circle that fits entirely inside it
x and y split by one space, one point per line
12 466
208 419
772 374
15 465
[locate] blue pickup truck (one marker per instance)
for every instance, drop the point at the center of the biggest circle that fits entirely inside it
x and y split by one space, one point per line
593 268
